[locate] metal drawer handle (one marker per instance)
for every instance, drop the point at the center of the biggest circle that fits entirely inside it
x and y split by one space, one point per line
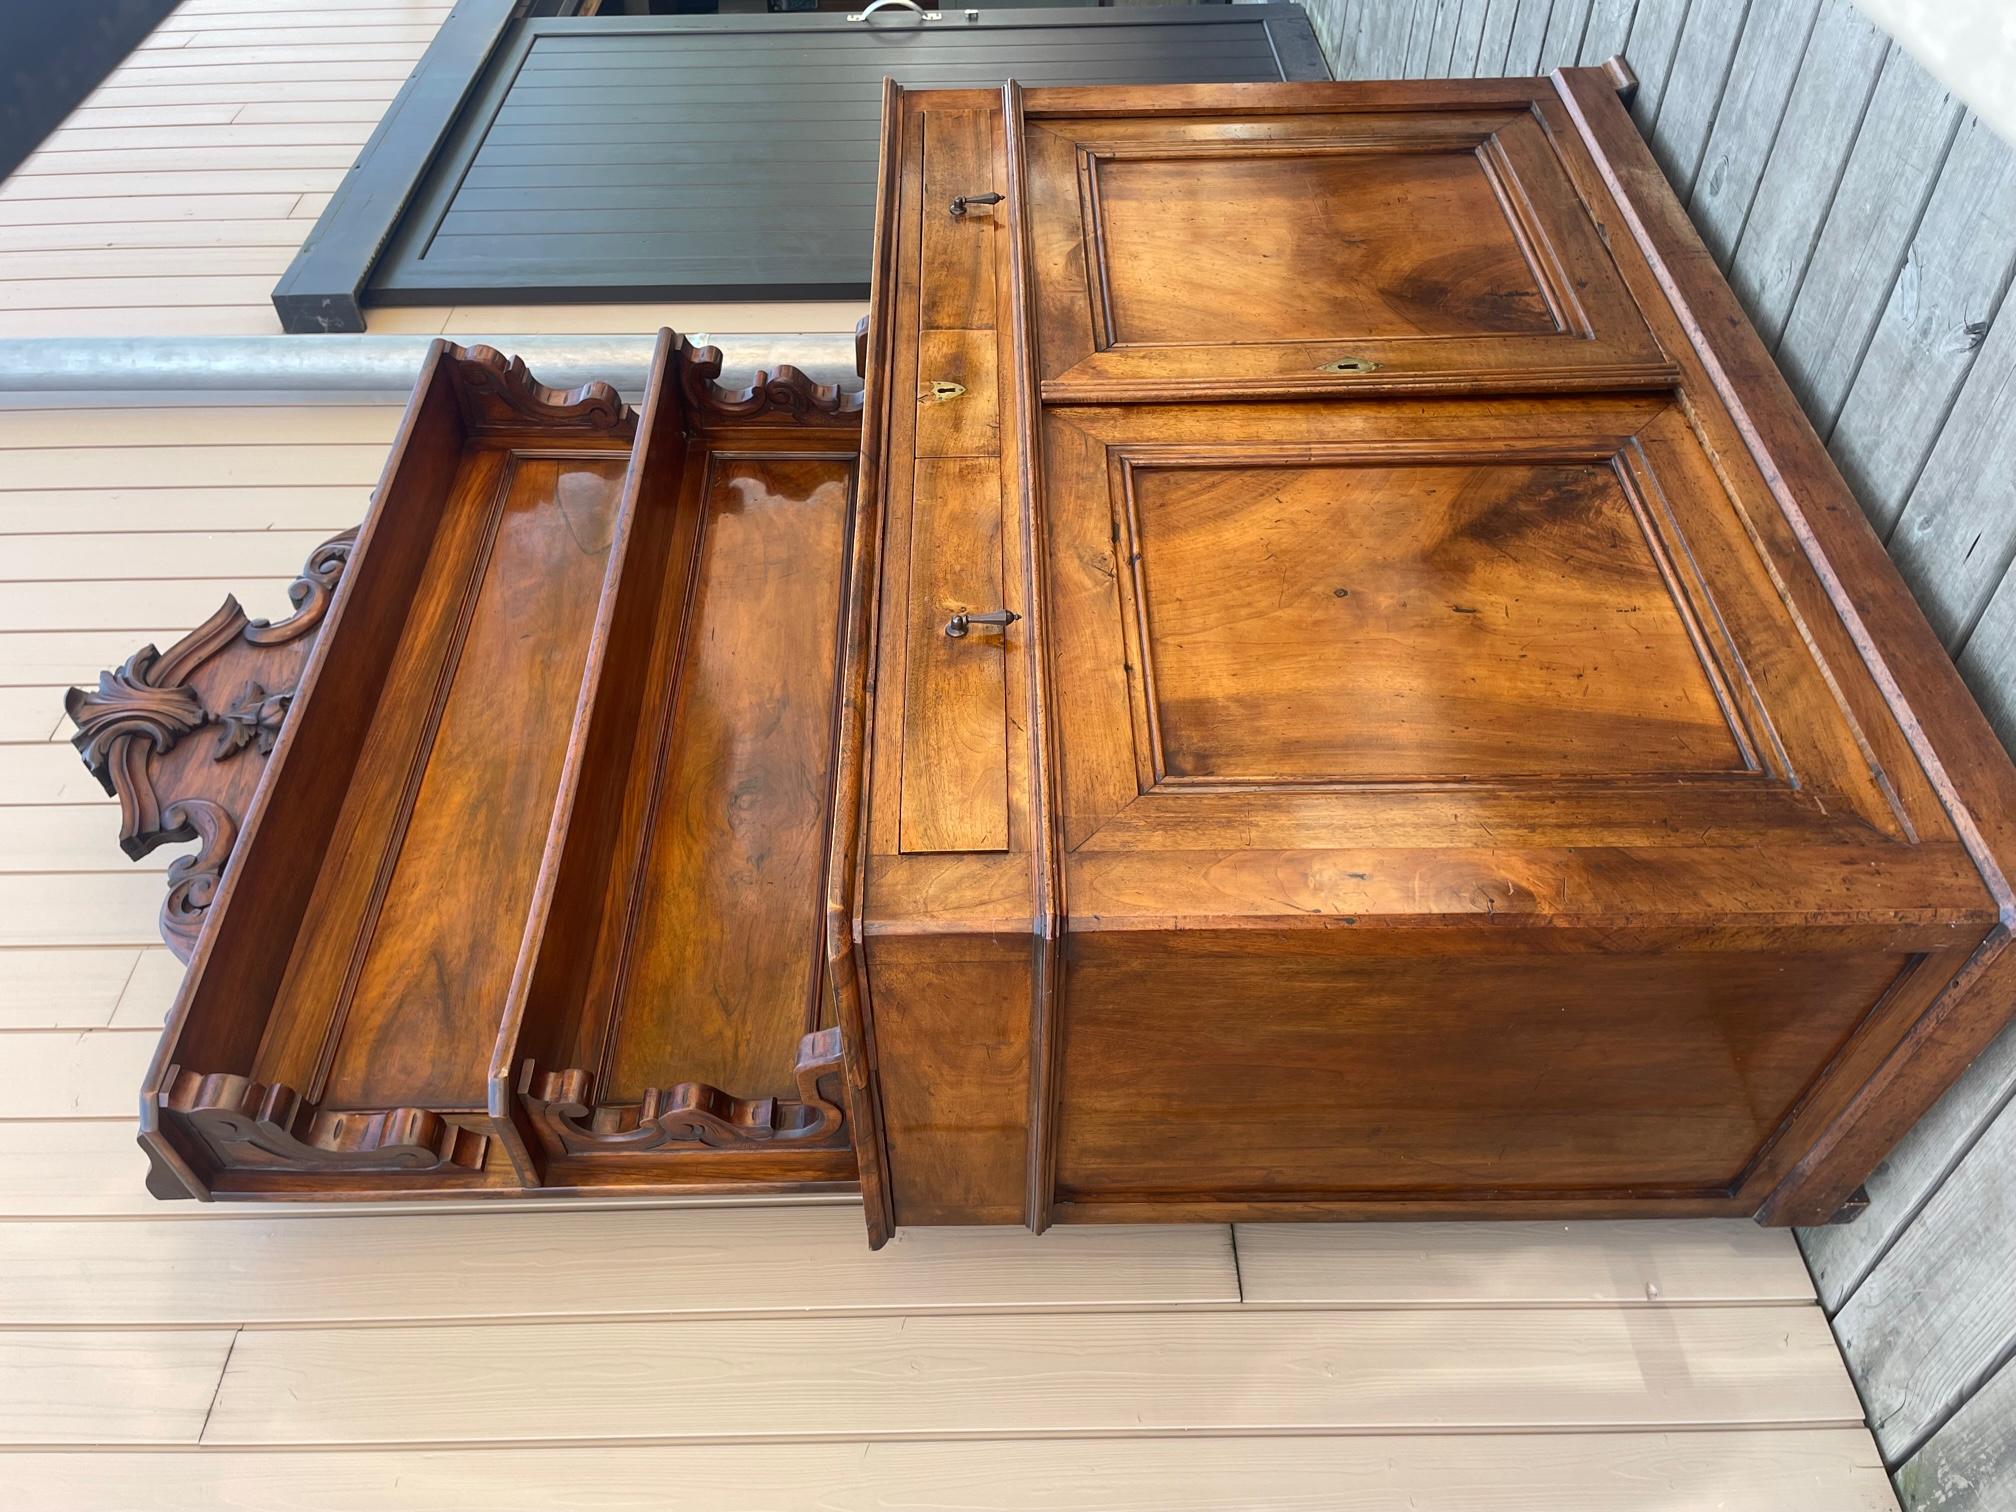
960 202
909 5
959 624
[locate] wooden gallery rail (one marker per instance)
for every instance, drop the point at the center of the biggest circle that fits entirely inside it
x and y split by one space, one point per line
1331 680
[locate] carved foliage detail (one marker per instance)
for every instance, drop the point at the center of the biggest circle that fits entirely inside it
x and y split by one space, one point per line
788 392
563 1107
253 718
251 1125
128 706
498 390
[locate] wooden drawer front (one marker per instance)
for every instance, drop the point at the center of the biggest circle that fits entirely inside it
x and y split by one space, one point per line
1371 252
955 727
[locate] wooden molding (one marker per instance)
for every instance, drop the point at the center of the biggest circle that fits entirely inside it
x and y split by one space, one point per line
499 393
787 394
250 1124
563 1109
232 674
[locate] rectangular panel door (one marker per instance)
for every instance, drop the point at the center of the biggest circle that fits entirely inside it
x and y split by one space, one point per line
1302 610
1338 246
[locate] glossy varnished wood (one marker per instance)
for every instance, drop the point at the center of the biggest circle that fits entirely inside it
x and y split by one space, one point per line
1453 792
1354 249
553 914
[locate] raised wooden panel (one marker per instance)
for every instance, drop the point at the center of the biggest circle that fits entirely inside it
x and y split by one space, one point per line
1319 248
1384 1074
1363 250
1479 617
955 715
1503 599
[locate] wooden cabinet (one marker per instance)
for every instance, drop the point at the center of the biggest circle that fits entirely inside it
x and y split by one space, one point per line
1458 753
1329 680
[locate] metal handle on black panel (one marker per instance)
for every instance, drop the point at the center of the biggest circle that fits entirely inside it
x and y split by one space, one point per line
909 5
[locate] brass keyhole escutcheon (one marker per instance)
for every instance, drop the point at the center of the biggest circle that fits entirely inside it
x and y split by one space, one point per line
938 390
1350 365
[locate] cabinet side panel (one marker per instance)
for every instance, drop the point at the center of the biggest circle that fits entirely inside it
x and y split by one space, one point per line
952 1040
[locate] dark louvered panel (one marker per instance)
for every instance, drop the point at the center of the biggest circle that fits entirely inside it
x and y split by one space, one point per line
721 156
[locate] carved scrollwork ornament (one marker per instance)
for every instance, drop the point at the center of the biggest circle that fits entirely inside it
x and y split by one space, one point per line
254 1125
311 594
193 880
563 1106
788 392
133 721
497 389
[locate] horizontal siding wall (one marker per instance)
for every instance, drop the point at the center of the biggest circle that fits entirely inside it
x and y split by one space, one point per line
171 200
1868 224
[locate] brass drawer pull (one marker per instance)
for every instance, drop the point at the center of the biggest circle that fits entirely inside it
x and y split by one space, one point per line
960 202
959 624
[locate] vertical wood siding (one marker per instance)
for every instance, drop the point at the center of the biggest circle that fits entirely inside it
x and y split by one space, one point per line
1868 224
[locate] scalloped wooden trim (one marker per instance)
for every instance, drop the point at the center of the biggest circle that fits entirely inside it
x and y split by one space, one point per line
499 393
689 1115
249 1125
785 395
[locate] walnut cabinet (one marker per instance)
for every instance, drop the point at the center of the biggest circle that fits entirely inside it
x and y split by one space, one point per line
1329 679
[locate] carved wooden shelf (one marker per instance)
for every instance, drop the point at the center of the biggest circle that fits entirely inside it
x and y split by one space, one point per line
532 893
1331 681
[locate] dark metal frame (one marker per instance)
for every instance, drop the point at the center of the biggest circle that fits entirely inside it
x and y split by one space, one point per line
323 288
367 246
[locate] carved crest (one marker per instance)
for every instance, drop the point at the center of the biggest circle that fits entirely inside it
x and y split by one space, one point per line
787 394
233 673
563 1108
500 393
251 1125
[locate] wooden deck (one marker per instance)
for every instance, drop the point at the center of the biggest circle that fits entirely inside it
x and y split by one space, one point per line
176 1356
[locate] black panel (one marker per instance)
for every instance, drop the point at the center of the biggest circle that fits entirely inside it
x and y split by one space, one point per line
322 289
618 158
